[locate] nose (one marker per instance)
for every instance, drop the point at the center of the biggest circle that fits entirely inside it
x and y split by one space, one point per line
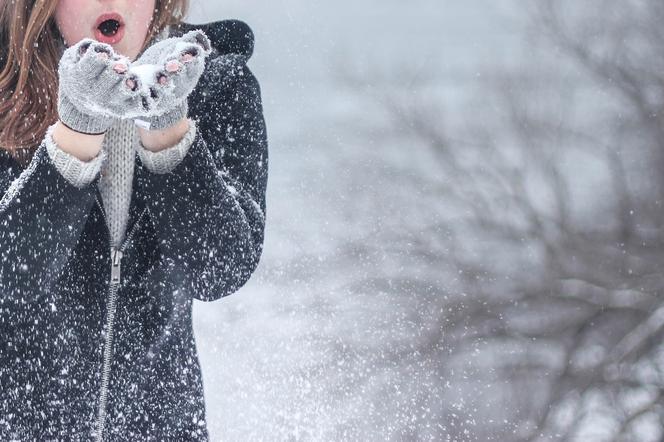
112 4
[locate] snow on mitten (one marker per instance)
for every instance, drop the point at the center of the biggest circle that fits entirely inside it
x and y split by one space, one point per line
165 75
92 90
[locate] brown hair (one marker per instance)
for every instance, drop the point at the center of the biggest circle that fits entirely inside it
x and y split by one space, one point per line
30 48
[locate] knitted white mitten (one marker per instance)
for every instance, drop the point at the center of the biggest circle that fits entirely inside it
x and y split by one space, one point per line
166 74
92 88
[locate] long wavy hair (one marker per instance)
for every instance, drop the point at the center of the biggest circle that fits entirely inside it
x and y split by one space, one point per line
30 48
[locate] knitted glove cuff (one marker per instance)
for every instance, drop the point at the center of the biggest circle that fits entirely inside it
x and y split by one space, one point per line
168 119
80 122
166 160
79 173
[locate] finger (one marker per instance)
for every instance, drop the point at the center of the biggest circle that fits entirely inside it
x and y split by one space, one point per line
95 59
199 38
173 66
83 46
120 63
188 54
102 48
74 53
120 67
132 83
162 79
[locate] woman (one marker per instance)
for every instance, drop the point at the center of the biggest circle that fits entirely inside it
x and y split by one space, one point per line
116 214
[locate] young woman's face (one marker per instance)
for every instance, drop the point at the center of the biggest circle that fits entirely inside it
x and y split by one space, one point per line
121 23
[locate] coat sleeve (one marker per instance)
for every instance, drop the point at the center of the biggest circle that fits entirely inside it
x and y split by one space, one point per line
209 211
42 215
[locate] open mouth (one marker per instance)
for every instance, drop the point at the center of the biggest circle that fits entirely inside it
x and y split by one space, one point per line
109 28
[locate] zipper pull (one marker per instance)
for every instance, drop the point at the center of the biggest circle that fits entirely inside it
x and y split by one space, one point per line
116 258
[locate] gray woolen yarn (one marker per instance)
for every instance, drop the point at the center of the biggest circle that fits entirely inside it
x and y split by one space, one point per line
91 93
165 102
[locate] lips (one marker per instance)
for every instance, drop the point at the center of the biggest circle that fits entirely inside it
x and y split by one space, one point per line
109 28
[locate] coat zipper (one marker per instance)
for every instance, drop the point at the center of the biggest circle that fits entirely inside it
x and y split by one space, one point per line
116 279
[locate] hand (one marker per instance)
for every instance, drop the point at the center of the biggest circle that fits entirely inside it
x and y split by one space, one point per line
92 90
164 76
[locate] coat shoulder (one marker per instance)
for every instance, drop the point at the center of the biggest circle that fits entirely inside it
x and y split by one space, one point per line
226 73
227 36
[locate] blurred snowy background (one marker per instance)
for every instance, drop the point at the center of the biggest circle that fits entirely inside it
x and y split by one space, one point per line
464 225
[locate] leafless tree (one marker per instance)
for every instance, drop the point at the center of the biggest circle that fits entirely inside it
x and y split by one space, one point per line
547 204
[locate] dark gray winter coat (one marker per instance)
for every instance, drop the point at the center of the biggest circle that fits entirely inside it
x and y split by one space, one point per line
80 351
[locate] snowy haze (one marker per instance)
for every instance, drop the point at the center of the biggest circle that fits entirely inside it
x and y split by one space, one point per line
315 346
359 322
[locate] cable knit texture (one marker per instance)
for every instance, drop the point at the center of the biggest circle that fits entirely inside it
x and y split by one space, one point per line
116 164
